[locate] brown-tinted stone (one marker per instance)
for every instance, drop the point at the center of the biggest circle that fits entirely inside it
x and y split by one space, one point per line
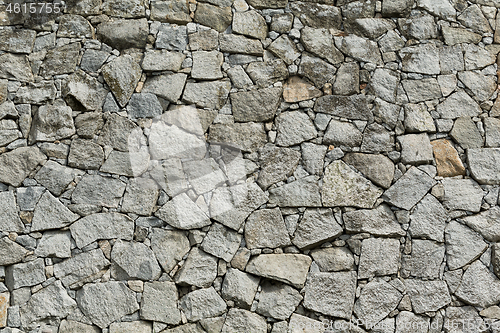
297 89
4 304
447 160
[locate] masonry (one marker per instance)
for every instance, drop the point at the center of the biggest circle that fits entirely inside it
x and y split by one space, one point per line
250 166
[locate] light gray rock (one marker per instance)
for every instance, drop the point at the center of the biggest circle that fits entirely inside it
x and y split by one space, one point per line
268 3
162 60
285 49
333 259
201 93
409 189
379 222
425 259
302 192
343 134
313 156
16 165
428 219
131 164
420 26
221 242
199 269
102 226
423 58
118 132
451 59
316 70
370 27
379 257
485 223
427 295
144 105
463 245
342 186
169 247
483 166
36 93
453 36
347 81
442 8
482 86
68 326
85 154
466 133
376 139
331 293
92 60
377 168
61 60
182 213
168 86
360 48
245 136
81 268
140 196
287 268
133 260
88 124
317 15
25 274
492 129
472 17
54 244
204 175
244 321
320 43
278 301
133 326
384 84
207 65
477 57
173 142
214 17
85 89
202 303
52 122
299 322
250 23
266 228
15 67
170 176
422 90
17 41
10 221
377 299
397 8
122 76
56 177
98 190
418 119
159 303
293 128
231 43
104 303
463 194
255 105
416 149
241 80
479 287
129 9
462 315
316 226
172 11
50 213
240 287
276 164
11 252
123 34
407 321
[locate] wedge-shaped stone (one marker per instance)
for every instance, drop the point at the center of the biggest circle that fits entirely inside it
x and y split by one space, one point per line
52 122
50 213
316 227
221 242
182 213
122 76
276 164
17 41
463 194
123 34
102 226
379 222
287 268
428 219
202 303
486 223
278 300
352 107
200 269
15 67
61 60
427 296
98 190
11 252
10 221
133 260
265 228
81 268
231 43
159 303
56 177
302 192
245 136
25 274
16 165
85 89
169 247
479 286
377 168
463 245
484 165
202 93
256 105
459 104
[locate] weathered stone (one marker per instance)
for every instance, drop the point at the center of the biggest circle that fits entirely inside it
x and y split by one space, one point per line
81 268
379 256
268 3
352 107
140 196
84 7
423 58
451 59
333 259
127 9
482 86
71 326
36 93
74 26
462 315
391 8
102 226
409 189
134 326
266 229
317 226
425 259
61 60
25 274
479 286
214 17
447 160
255 105
50 213
473 18
492 129
52 122
7 109
221 242
442 8
97 190
15 67
240 287
133 260
466 133
360 49
168 86
172 11
169 247
343 134
407 322
294 127
11 252
317 15
162 60
278 300
422 90
104 303
16 165
17 41
85 154
277 164
342 186
231 43
464 194
463 245
483 165
379 222
384 84
56 177
428 219
420 26
122 76
320 43
297 90
244 136
477 57
202 93
302 192
241 80
124 34
202 303
207 65
54 244
199 269
85 89
287 268
453 36
285 49
244 321
316 70
312 157
298 323
485 223
250 23
10 221
182 213
416 149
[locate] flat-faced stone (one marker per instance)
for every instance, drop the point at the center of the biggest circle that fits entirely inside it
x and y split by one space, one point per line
133 260
201 93
483 165
81 268
294 127
479 287
316 226
85 89
122 76
124 34
425 259
50 213
15 67
463 245
255 105
17 41
379 257
463 194
379 222
169 246
448 162
302 192
10 221
98 190
52 122
297 90
353 107
199 269
61 60
266 228
428 219
287 268
377 168
245 136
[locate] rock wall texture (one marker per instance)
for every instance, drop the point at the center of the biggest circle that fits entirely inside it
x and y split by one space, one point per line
249 167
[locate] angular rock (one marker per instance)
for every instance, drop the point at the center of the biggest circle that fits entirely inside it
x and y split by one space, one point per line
221 242
11 252
379 222
420 26
492 128
462 315
451 59
74 26
343 134
255 105
102 226
61 60
448 162
464 194
442 8
36 93
416 149
384 84
170 177
245 136
97 190
69 326
294 127
124 34
320 42
50 213
317 15
250 23
86 90
395 8
10 221
360 49
453 36
162 60
17 41
463 245
297 90
172 11
312 157
169 247
316 70
231 43
134 326
316 226
122 75
473 18
378 168
127 164
214 17
182 213
379 257
259 4
428 219
333 259
479 286
285 49
486 223
278 301
104 303
56 177
287 268
206 65
422 90
133 260
266 228
376 139
240 287
15 67
427 295
201 93
425 259
477 58
244 321
302 192
81 268
118 132
202 303
167 86
144 105
423 58
85 154
25 274
92 60
52 122
54 244
407 321
277 164
352 107
140 196
199 269
483 165
128 9
369 27
466 133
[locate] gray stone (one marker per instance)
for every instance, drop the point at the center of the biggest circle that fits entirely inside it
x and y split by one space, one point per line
81 268
442 8
134 326
240 287
379 222
285 49
56 177
416 149
423 58
422 90
377 299
278 301
347 81
379 257
124 34
16 165
170 176
294 127
378 168
52 122
214 17
427 295
167 86
182 213
8 109
299 322
282 23
171 11
463 245
88 124
479 286
492 129
409 189
104 303
85 154
483 86
495 259
266 228
453 36
451 59
206 40
370 27
15 67
50 213
425 259
61 60
102 226
11 252
317 15
245 136
352 107
420 26
255 105
140 196
333 259
343 134
92 60
54 244
302 192
231 43
201 93
133 260
320 42
241 80
74 26
360 49
50 302
221 242
250 23
122 76
384 84
25 274
464 194
97 190
466 133
376 139
485 223
391 8
276 164
428 219
244 321
342 186
462 315
483 165
268 3
17 41
71 326
287 268
207 65
127 164
127 9
36 93
316 70
162 60
199 269
418 119
144 105
317 226
473 18
202 303
312 157
477 58
407 322
10 221
169 247
331 293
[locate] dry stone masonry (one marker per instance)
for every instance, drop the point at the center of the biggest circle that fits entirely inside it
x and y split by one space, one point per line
250 166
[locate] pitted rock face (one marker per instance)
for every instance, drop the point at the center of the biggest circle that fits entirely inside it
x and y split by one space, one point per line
249 166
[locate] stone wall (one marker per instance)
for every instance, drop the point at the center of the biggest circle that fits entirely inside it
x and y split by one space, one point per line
248 167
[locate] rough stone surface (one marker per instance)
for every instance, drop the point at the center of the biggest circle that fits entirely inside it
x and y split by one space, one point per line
463 245
379 256
288 268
